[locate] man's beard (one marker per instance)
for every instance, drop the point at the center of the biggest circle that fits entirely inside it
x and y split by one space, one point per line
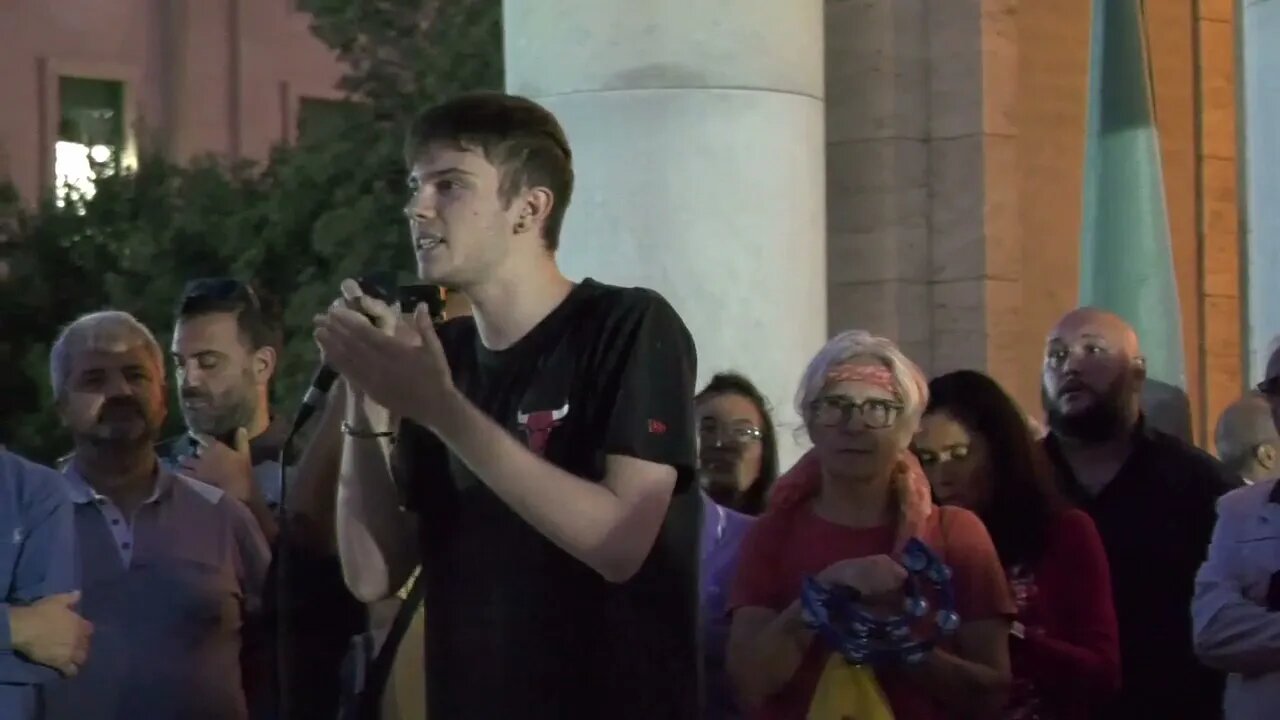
1103 420
221 416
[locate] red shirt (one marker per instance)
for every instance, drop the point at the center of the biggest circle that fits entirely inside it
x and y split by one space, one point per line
785 546
1070 657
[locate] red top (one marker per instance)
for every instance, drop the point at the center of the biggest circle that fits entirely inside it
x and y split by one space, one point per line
786 545
1071 655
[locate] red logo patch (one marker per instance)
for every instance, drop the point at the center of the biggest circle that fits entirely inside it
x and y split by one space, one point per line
537 427
657 427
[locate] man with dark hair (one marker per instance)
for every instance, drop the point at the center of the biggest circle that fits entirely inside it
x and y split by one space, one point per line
544 446
226 345
225 350
1152 497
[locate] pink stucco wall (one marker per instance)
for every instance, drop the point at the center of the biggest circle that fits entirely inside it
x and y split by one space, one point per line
201 76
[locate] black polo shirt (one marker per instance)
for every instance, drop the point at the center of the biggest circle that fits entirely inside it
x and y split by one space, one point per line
516 627
1155 518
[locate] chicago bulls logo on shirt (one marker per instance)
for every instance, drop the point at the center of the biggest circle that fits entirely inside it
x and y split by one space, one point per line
537 426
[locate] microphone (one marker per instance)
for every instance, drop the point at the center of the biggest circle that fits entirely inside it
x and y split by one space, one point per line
381 286
378 285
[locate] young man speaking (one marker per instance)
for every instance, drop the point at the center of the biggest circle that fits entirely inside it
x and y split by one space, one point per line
545 445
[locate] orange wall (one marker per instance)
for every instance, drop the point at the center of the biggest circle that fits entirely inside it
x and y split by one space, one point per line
1053 75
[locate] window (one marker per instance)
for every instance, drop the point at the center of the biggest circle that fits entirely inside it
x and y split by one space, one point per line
91 135
319 118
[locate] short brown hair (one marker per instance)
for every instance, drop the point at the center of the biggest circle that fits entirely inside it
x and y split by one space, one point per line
522 139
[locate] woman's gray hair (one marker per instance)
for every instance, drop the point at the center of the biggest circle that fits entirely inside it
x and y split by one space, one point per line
909 382
105 331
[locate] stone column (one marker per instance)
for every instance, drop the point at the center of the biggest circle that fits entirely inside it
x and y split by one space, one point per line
1221 285
922 181
697 132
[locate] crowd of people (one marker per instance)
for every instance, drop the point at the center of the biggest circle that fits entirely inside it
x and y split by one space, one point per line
590 535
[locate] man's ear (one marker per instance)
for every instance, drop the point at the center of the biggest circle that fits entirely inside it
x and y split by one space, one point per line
264 364
1265 455
1140 368
535 207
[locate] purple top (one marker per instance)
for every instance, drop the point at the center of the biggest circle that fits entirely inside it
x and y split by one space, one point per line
722 533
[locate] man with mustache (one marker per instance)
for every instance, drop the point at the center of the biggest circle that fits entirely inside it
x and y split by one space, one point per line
1152 497
171 568
225 350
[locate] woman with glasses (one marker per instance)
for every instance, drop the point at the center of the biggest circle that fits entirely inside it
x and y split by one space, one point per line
737 447
737 464
979 453
843 517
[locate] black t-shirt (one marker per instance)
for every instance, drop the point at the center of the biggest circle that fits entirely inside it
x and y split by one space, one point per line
515 626
1155 518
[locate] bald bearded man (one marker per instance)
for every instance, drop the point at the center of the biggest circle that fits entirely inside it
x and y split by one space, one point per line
1152 497
1246 439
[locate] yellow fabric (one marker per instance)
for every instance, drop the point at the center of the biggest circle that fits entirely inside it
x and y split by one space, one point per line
405 698
846 692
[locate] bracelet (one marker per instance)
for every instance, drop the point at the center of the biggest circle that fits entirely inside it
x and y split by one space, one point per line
358 434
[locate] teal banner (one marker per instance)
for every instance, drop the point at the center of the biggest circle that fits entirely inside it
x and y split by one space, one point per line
1126 256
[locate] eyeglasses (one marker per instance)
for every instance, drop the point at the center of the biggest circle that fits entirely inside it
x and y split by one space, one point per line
221 289
712 433
836 411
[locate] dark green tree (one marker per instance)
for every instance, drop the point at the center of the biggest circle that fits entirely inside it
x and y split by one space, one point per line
312 214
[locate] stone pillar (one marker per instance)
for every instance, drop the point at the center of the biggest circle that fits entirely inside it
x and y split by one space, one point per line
878 171
697 132
1260 66
1224 359
922 187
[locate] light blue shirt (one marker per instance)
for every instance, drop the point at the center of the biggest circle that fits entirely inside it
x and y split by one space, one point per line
1236 626
37 558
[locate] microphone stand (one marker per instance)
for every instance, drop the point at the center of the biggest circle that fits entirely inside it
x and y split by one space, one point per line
283 618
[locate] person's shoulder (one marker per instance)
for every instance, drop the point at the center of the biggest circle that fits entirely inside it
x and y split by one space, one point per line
1246 499
775 521
1071 526
947 519
16 468
1193 465
202 493
212 500
28 481
615 302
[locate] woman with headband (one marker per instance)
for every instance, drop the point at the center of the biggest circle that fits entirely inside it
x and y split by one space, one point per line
842 518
